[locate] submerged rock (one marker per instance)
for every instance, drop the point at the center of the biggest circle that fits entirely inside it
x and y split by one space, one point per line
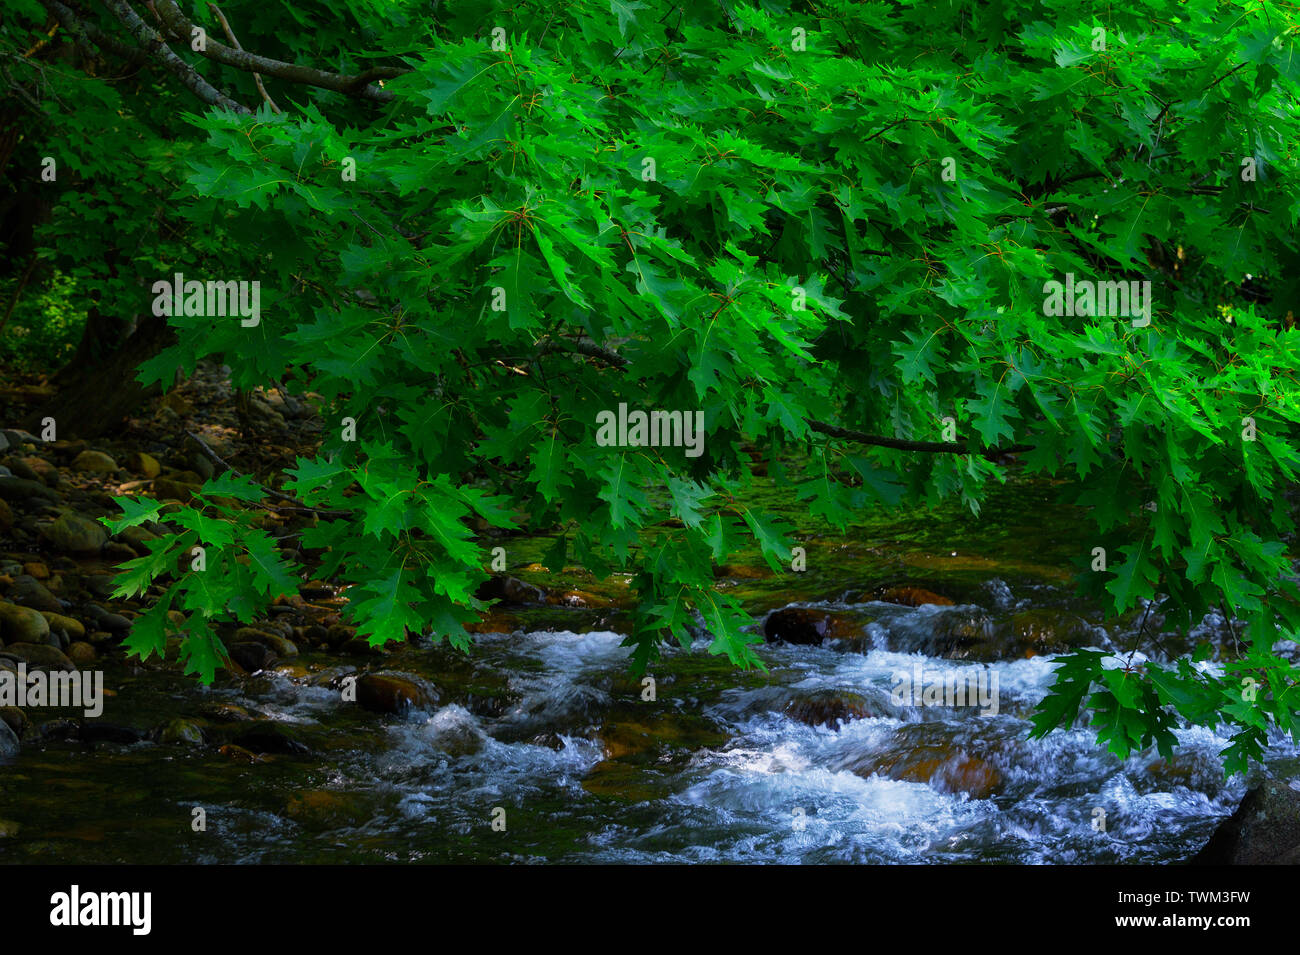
324 809
395 693
828 708
454 731
929 753
803 626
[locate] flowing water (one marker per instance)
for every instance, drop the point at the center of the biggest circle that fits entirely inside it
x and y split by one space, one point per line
542 747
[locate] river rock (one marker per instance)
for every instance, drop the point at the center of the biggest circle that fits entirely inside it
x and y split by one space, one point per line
39 655
394 693
14 718
22 625
933 753
339 634
41 470
98 731
320 810
828 708
94 462
180 730
112 622
74 534
956 634
9 745
510 590
362 647
252 656
803 626
169 489
264 417
30 592
913 597
17 437
282 646
81 653
225 713
454 731
73 628
1265 829
137 539
67 448
101 585
6 515
20 467
21 489
201 465
266 736
145 464
1033 632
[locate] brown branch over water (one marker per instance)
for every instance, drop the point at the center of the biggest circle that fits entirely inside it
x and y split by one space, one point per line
359 85
615 360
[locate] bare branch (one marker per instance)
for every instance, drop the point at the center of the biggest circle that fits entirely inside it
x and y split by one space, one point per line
85 33
151 42
179 26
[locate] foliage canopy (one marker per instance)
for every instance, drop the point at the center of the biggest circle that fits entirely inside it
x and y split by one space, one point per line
826 226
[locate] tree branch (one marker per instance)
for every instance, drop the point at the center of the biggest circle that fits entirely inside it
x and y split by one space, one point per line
298 505
176 22
152 43
234 41
86 33
612 358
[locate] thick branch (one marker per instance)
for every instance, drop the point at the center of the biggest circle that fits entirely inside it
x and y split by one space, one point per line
85 33
176 22
152 42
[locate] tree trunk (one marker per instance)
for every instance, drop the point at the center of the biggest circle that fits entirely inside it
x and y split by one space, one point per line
98 387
